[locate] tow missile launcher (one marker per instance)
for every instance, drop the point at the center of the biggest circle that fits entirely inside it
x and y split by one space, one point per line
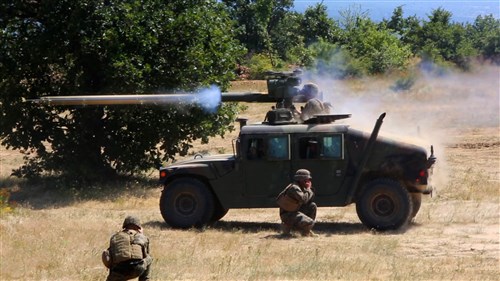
283 88
384 178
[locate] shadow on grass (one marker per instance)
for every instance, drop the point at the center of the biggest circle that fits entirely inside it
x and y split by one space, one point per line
321 228
54 193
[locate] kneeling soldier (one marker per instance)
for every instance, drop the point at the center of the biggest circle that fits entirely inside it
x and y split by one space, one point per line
128 254
297 210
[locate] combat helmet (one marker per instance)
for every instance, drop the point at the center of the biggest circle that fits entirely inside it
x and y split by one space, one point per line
302 174
310 90
132 220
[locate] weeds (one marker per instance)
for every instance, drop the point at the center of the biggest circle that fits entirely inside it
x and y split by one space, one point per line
404 83
6 206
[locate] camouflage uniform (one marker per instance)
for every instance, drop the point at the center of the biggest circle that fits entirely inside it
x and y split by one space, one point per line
313 107
131 268
302 220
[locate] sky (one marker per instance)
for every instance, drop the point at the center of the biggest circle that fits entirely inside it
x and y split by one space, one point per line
462 11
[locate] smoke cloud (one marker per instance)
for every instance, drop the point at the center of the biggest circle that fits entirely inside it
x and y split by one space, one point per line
210 98
423 114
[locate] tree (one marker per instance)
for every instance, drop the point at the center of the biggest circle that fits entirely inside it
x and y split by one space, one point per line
317 25
485 34
441 40
64 47
256 19
407 29
397 22
335 61
378 49
287 39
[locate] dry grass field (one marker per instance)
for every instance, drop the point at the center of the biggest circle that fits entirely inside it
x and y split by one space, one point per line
54 234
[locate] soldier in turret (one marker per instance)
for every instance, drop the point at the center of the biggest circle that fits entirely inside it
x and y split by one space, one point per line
309 91
311 95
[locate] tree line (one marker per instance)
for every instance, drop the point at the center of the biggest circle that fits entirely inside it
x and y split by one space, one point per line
87 47
355 45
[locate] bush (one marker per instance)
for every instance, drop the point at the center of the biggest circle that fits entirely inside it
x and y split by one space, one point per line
5 205
258 64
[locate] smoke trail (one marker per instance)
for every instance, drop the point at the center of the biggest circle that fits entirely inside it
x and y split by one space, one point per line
210 98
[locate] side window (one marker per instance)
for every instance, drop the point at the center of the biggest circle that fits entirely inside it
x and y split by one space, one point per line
255 149
332 146
278 147
309 148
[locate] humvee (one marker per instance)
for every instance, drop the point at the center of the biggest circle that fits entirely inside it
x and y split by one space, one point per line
384 178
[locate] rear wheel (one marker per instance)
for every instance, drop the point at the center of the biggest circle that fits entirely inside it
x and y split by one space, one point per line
186 202
384 204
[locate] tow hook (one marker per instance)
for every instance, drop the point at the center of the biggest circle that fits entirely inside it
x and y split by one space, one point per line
428 191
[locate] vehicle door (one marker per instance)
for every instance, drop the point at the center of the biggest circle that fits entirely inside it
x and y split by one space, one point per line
266 164
323 156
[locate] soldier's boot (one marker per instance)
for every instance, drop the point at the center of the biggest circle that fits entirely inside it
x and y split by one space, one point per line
310 233
286 230
307 232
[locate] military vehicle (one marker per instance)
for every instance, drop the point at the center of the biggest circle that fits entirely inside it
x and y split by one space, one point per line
384 178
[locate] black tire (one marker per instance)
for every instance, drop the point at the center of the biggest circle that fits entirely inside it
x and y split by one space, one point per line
219 213
416 199
384 205
186 202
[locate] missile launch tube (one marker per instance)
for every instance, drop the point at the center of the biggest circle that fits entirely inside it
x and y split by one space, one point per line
248 97
154 99
118 99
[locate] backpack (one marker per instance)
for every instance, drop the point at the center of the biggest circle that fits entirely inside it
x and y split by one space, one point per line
122 247
286 202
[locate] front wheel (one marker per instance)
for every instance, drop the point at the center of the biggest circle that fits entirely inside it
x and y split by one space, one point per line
384 205
186 202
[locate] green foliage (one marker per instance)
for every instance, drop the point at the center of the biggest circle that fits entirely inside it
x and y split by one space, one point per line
287 39
68 47
258 64
334 61
317 25
378 49
270 27
485 34
5 205
404 83
256 20
441 40
64 47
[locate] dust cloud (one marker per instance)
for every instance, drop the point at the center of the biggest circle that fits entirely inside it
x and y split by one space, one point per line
423 114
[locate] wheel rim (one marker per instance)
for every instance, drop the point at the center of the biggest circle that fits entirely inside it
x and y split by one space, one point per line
185 204
383 206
